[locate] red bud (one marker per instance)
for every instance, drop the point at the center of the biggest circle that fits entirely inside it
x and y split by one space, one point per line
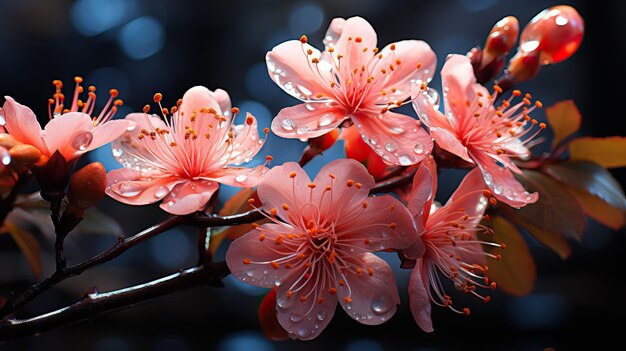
501 39
86 188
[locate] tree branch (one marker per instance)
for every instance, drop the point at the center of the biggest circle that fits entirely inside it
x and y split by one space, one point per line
96 303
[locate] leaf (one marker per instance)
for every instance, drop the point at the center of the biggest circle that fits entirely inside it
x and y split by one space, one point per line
556 210
607 152
268 319
564 119
236 204
590 177
28 245
553 241
515 272
599 210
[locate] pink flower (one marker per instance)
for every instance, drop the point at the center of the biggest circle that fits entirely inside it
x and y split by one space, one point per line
351 79
317 249
70 130
183 158
479 132
449 238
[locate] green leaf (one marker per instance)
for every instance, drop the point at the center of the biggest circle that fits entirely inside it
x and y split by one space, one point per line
607 152
590 177
564 119
553 241
28 245
556 210
515 272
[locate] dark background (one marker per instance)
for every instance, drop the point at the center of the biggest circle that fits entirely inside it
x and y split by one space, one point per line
143 47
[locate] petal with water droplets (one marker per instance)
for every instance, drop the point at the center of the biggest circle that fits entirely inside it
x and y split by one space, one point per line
308 120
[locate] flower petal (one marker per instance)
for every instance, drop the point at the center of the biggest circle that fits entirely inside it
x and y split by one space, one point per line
405 79
128 150
419 299
355 34
198 98
381 223
469 197
423 192
68 133
457 76
239 176
336 175
22 123
136 188
426 105
370 299
449 142
279 188
398 139
109 131
291 68
305 320
308 120
502 183
247 142
189 197
249 258
222 98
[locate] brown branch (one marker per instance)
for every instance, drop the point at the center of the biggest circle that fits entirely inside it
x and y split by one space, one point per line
95 304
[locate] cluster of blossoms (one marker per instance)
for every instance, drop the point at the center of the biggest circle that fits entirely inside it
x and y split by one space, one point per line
316 245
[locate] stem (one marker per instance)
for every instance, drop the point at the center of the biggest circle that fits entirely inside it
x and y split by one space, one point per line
394 183
204 255
96 303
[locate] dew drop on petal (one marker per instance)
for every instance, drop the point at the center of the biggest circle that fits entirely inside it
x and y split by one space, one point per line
277 282
288 124
405 160
250 273
391 147
160 192
241 178
117 152
302 130
419 148
309 107
488 179
326 120
303 332
129 190
433 97
497 189
82 140
131 127
321 315
294 317
5 157
380 305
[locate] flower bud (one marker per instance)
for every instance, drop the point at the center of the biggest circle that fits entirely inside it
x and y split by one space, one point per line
24 154
555 32
523 66
501 39
86 188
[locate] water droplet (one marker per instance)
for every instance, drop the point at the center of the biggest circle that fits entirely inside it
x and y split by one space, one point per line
326 120
510 194
3 120
250 273
161 191
309 107
131 127
277 282
82 140
129 190
397 130
321 315
391 147
5 157
241 178
170 203
419 148
303 332
433 97
373 141
497 189
117 152
529 46
288 124
380 305
302 130
294 317
488 179
405 160
369 315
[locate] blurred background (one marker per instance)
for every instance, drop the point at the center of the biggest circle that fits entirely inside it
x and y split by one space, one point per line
145 46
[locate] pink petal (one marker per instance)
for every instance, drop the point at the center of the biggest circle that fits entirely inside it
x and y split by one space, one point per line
343 197
423 192
189 197
135 188
469 197
239 176
68 133
502 183
426 105
128 150
457 76
258 272
374 296
398 139
450 142
198 98
247 142
333 33
290 67
419 298
22 123
355 35
109 131
307 120
222 98
384 223
279 188
405 78
305 320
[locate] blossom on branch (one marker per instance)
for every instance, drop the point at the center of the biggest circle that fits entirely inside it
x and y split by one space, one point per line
353 80
182 158
318 247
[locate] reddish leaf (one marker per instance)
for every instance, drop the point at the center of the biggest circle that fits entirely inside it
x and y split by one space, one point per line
607 152
564 119
236 204
599 210
268 319
590 177
515 272
553 241
28 245
556 210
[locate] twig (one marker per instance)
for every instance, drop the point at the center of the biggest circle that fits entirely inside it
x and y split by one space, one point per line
96 303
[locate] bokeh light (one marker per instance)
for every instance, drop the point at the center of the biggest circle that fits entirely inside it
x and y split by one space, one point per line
142 37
